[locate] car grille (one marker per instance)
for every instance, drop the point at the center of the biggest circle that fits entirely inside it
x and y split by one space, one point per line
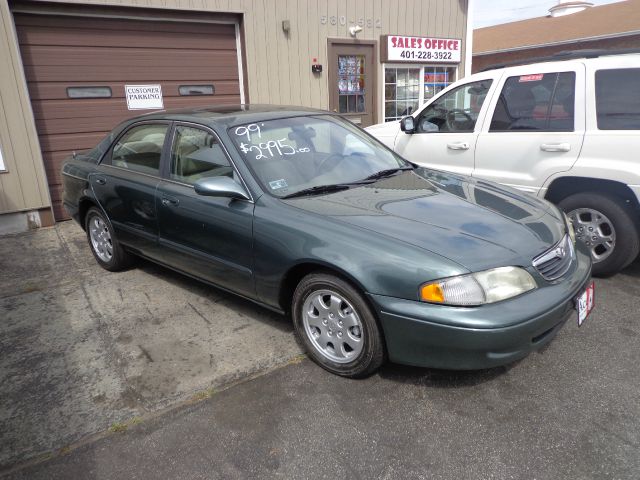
555 262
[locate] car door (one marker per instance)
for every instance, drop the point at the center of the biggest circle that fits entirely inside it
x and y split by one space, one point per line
125 184
208 237
535 127
447 129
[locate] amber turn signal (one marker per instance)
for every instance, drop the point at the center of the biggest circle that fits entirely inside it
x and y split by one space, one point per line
432 293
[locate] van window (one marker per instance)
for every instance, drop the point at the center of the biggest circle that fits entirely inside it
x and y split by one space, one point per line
455 111
618 99
542 101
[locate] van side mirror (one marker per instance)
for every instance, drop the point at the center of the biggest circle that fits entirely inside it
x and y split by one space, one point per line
407 124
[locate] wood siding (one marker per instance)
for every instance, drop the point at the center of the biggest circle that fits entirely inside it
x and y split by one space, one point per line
24 186
278 65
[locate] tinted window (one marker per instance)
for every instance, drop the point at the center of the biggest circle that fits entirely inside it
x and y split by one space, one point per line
196 154
618 99
456 111
140 149
536 102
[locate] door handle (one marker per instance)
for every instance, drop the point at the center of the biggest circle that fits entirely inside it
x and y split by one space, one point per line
555 147
458 146
170 202
101 180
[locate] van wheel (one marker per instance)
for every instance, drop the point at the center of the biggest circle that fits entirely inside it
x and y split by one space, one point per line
105 247
605 226
336 326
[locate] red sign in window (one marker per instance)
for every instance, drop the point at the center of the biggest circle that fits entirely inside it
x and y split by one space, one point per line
531 78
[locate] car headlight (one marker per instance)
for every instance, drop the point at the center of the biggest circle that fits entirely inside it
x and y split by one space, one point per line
570 230
478 288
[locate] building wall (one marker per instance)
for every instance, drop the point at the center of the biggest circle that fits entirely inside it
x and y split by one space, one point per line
481 62
278 65
24 185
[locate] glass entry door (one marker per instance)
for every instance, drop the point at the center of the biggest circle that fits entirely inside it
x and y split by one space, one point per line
352 82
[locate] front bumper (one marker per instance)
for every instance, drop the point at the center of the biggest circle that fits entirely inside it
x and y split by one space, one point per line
461 338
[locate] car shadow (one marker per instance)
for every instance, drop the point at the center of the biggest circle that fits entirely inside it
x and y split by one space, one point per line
437 378
632 270
239 304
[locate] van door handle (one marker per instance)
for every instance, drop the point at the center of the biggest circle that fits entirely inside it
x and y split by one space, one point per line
101 180
555 147
458 146
170 202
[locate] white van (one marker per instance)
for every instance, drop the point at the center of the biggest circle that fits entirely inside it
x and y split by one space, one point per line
567 131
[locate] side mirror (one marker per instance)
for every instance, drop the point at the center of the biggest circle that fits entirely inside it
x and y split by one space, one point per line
407 124
222 186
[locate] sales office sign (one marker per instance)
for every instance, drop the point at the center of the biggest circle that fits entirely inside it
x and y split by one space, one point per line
143 97
398 48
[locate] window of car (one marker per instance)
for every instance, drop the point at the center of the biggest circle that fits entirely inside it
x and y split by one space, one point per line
288 155
140 148
542 101
618 99
455 111
197 154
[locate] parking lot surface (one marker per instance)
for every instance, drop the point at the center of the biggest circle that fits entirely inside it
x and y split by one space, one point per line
73 362
83 348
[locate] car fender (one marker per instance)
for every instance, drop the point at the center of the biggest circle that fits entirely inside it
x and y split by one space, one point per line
286 237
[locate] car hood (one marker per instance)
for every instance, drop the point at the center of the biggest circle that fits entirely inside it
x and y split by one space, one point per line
385 132
474 223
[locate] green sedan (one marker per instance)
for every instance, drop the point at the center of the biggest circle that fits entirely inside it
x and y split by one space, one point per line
306 214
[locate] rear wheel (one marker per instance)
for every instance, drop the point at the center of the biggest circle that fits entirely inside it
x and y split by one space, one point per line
104 245
336 326
606 227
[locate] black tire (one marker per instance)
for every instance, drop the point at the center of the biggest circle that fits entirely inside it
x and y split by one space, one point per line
370 357
120 258
627 244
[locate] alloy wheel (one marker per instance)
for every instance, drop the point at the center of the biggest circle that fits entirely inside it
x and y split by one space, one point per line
595 230
101 239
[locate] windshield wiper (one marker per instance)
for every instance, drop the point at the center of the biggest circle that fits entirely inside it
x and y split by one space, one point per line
386 173
319 189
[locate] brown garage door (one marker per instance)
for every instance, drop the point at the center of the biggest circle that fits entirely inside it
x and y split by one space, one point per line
60 53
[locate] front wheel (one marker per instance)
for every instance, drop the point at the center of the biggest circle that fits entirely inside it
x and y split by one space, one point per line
606 227
336 326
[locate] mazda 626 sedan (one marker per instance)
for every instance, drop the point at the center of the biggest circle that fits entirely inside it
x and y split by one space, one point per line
306 214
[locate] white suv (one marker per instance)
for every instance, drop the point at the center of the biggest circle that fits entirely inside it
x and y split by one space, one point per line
567 131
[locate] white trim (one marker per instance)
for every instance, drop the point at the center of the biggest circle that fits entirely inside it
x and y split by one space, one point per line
421 66
240 70
468 41
3 167
563 42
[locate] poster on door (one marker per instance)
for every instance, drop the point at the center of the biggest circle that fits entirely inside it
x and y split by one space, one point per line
143 97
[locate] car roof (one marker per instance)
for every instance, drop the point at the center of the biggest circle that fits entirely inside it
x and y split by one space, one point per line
226 116
584 55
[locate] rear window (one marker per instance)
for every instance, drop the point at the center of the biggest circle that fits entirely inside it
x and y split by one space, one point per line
618 99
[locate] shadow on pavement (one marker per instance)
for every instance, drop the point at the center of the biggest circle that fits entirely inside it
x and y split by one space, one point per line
241 305
434 378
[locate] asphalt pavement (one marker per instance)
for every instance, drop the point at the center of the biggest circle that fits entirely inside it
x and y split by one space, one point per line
570 411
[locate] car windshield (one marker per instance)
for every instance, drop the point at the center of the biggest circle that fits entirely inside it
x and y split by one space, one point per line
294 155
